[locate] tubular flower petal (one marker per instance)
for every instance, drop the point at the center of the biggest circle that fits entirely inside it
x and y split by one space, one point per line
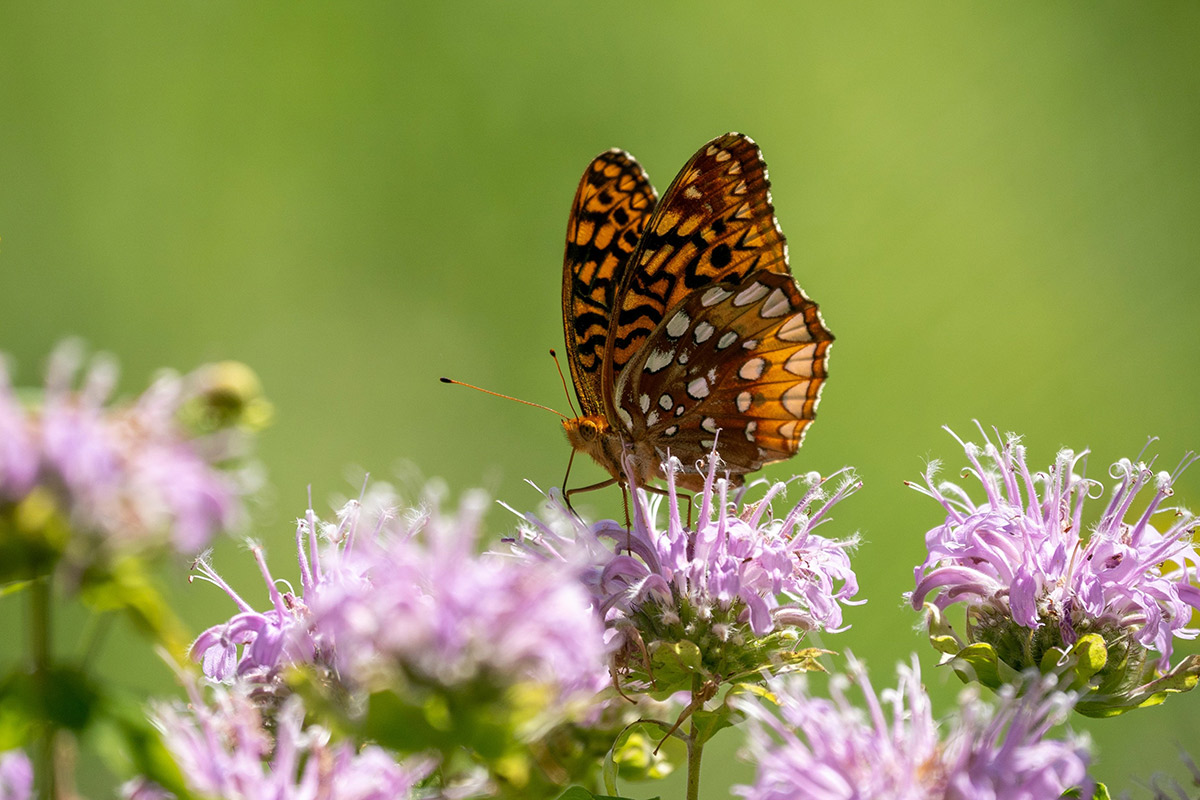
383 592
124 476
1035 585
225 748
738 577
831 750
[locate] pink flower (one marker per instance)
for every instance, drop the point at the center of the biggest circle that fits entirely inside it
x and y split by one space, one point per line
831 750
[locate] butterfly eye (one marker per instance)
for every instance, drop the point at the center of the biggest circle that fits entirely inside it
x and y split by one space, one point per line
588 430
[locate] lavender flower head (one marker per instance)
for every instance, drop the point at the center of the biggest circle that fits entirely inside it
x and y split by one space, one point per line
725 586
16 776
1035 587
387 596
226 749
123 476
830 750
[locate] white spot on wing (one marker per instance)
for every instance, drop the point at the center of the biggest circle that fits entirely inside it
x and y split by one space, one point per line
795 398
626 420
751 426
678 325
751 294
657 360
727 338
665 402
644 403
713 296
698 389
753 369
795 330
692 193
709 424
776 305
744 399
702 332
671 431
750 344
801 362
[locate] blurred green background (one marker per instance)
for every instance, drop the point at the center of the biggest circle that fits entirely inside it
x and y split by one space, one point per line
996 206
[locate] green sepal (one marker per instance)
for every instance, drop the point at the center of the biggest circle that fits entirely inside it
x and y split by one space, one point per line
1105 674
1182 678
1081 663
1099 792
640 753
979 663
673 665
941 633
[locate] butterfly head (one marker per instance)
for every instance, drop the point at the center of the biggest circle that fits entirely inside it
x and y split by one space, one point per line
586 433
593 435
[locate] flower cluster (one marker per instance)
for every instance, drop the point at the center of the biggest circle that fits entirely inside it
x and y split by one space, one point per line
226 749
831 750
728 590
1035 586
410 597
126 476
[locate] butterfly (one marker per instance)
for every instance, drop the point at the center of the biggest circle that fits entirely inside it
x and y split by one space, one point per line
683 321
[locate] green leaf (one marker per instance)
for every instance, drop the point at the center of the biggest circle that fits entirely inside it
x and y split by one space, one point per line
66 698
576 793
400 725
14 587
707 723
579 793
127 586
640 753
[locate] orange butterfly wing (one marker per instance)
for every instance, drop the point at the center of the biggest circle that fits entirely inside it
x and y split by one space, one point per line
700 327
610 211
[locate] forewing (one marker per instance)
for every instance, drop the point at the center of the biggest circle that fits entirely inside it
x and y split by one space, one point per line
611 208
747 359
715 224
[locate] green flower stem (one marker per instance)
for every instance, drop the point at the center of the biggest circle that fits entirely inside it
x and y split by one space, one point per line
695 747
39 607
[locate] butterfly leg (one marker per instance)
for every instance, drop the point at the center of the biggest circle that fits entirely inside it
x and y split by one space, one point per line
655 490
567 494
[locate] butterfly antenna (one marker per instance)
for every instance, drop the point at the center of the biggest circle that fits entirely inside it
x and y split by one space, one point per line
566 391
505 396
